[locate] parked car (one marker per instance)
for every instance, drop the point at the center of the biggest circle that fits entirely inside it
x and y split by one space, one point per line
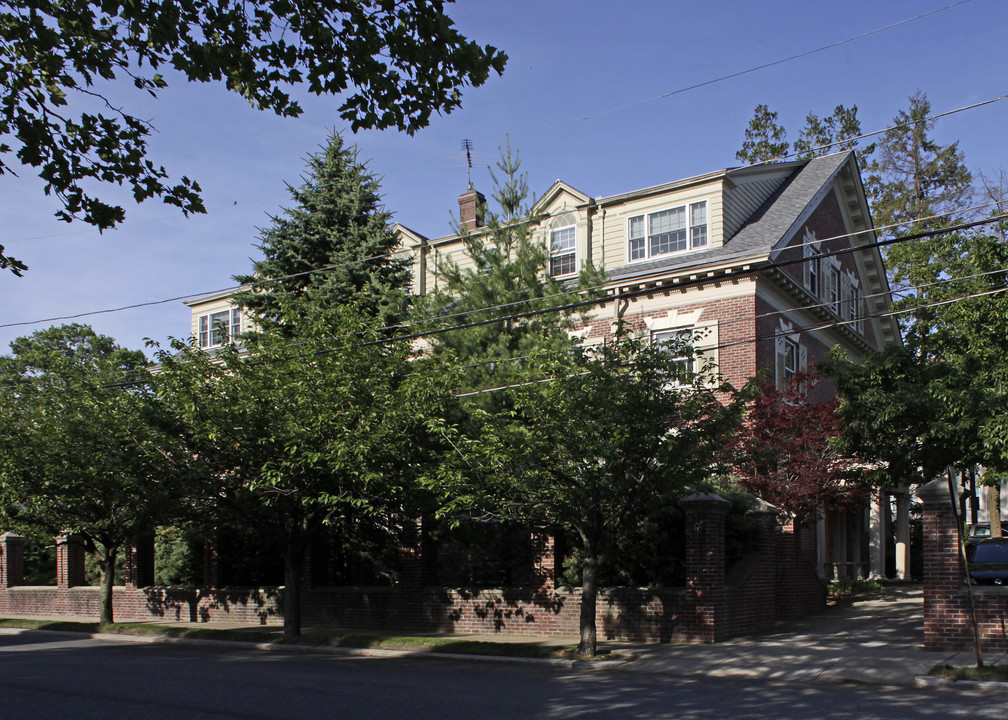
988 561
980 531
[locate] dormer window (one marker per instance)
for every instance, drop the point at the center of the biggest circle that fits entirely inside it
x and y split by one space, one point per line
216 329
563 251
669 231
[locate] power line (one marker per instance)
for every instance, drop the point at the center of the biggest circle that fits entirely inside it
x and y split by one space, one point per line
398 253
760 338
747 71
609 111
632 294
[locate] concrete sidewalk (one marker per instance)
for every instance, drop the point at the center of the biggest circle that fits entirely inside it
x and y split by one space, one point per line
875 640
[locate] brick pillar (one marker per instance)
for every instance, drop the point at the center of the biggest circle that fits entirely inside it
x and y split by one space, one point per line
543 561
69 561
140 561
211 559
419 555
11 560
766 520
705 566
946 617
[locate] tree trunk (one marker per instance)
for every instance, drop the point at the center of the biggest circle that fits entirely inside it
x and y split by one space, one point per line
294 557
589 597
106 561
994 509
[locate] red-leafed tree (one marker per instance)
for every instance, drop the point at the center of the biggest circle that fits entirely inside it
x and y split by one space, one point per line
785 453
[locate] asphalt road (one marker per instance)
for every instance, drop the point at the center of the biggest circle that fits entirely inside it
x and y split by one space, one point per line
49 675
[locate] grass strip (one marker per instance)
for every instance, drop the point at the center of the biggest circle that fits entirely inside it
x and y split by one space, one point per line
318 638
987 673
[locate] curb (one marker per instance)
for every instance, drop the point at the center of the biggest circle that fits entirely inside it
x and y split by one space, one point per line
325 650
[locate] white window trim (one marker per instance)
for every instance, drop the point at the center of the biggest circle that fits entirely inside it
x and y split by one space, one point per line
205 330
811 251
564 253
787 337
704 338
687 208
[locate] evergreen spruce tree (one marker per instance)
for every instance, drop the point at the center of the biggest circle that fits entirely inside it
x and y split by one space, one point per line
338 222
824 136
765 138
912 176
509 274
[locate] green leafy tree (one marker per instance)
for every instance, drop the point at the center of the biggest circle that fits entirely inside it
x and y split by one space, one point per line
392 63
606 433
84 446
906 416
765 138
302 435
337 221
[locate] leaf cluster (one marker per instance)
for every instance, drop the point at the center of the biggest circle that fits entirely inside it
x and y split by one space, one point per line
394 63
786 452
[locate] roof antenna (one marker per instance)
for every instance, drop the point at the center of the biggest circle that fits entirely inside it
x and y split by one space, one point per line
467 145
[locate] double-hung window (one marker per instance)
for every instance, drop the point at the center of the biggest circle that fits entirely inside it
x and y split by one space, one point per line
834 288
563 251
789 360
679 343
814 277
854 302
216 329
668 231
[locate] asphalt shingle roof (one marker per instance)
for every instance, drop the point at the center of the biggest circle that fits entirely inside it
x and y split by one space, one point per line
763 229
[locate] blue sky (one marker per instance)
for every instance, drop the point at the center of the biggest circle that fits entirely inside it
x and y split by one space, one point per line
581 99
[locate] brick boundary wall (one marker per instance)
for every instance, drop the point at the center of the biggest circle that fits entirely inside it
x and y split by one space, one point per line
712 607
947 622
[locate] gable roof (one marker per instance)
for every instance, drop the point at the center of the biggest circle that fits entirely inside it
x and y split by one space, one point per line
775 220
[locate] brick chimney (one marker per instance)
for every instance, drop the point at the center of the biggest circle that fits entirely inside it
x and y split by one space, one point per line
471 204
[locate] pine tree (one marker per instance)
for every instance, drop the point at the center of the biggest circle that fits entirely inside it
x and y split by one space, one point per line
824 136
338 227
509 275
765 138
912 179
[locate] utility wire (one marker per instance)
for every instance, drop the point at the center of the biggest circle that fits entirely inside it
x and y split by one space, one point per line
397 254
601 113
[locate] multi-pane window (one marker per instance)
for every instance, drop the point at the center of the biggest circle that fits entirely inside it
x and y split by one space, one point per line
679 342
813 272
668 231
217 328
834 288
563 251
790 360
854 300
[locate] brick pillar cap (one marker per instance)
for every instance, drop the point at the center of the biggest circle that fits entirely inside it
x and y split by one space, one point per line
936 491
764 508
11 536
705 501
